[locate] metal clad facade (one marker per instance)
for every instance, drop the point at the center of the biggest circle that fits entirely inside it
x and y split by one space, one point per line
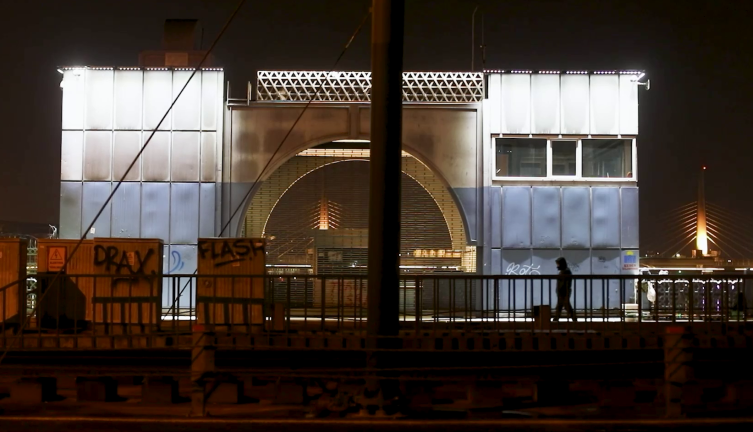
546 217
605 217
516 217
629 217
576 217
155 210
545 104
70 210
496 215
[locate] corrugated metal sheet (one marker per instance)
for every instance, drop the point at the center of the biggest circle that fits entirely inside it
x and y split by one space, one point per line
156 157
155 210
97 155
230 300
496 215
516 217
605 219
629 213
206 209
187 110
71 296
546 217
126 145
516 103
12 281
184 213
94 195
576 217
575 90
70 210
99 92
136 297
129 90
72 155
126 211
185 157
158 86
545 104
605 105
208 156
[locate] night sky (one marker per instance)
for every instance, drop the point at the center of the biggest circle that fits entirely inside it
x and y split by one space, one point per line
698 55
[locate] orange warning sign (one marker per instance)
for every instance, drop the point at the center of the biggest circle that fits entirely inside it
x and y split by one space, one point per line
56 258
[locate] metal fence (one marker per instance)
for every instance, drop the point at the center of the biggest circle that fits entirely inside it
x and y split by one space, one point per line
96 304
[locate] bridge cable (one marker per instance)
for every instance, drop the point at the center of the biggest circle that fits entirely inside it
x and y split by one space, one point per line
279 147
122 179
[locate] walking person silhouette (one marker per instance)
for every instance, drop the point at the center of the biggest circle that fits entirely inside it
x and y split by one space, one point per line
564 289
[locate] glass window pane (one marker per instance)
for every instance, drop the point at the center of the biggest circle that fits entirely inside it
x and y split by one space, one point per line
521 157
563 158
607 158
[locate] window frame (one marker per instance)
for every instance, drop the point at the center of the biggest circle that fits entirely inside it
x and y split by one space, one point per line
578 177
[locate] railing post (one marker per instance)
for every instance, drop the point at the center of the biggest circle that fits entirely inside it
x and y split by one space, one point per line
202 367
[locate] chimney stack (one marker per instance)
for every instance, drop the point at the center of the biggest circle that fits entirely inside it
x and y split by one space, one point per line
181 46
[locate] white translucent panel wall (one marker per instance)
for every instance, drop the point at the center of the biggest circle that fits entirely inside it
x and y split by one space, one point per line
206 210
605 104
94 196
158 86
128 99
208 156
545 104
97 155
628 105
126 216
493 104
71 155
187 110
184 213
73 99
126 145
185 156
156 157
70 210
516 104
155 211
574 97
99 93
211 99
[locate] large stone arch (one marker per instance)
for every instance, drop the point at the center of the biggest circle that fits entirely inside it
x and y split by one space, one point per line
274 187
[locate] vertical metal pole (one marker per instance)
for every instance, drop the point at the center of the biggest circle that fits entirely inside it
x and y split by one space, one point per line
385 166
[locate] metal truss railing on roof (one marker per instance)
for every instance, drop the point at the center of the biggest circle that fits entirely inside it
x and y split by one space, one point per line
447 87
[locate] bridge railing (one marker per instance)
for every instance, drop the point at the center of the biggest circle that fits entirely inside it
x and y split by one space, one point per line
138 304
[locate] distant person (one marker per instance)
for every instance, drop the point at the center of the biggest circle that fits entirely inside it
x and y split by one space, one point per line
564 289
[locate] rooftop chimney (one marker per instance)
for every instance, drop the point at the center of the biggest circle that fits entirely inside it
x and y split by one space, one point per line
181 46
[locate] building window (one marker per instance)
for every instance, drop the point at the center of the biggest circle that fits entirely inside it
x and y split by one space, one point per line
607 157
521 157
564 159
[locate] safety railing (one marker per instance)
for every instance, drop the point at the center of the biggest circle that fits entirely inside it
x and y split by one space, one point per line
162 304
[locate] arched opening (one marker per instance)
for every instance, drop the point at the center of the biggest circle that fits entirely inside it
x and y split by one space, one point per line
313 211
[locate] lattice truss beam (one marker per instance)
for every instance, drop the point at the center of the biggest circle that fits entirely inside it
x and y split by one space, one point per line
452 87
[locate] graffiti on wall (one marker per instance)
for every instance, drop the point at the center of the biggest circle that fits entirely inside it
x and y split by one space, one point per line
230 251
115 260
522 270
176 262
